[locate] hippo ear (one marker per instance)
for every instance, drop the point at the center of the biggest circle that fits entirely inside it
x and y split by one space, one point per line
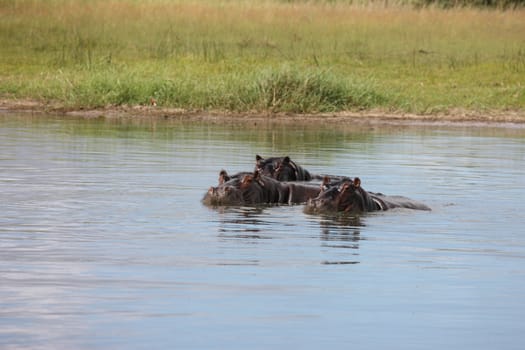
286 160
357 182
259 160
325 183
223 177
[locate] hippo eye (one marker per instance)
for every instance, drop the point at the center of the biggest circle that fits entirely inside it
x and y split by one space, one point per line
344 187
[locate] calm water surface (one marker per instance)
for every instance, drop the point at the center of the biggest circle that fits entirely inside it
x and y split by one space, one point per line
104 243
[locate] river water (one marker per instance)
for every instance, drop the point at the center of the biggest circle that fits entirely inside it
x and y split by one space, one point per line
104 243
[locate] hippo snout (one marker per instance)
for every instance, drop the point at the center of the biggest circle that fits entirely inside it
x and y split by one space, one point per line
311 206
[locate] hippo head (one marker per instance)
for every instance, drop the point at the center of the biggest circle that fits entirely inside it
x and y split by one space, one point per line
239 189
346 196
225 194
285 170
252 187
281 169
265 166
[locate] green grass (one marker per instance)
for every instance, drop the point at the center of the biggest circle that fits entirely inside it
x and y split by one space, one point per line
303 57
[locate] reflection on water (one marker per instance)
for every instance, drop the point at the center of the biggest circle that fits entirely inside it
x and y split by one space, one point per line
251 224
244 224
341 232
104 242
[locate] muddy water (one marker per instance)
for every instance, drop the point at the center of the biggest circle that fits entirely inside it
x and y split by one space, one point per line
104 242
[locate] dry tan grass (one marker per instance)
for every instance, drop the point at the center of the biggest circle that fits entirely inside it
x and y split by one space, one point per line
311 24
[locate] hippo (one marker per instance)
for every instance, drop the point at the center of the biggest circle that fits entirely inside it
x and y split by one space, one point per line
257 189
281 168
348 196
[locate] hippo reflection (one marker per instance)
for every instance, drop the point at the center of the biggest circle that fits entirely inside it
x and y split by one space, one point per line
348 196
255 188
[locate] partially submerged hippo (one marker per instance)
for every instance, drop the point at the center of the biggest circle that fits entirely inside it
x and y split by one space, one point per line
281 168
255 189
348 196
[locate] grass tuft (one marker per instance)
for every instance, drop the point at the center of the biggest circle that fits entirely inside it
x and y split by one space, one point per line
292 90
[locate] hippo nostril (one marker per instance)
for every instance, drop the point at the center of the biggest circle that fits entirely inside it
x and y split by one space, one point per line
311 203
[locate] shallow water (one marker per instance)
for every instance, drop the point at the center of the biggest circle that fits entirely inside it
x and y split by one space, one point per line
104 242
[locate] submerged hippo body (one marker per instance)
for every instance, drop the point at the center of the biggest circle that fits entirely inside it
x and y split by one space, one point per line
281 168
257 189
348 196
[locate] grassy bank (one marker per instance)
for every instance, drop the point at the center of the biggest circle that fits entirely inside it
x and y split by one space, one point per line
262 55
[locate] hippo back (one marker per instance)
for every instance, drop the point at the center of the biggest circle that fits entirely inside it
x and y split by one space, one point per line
391 202
300 192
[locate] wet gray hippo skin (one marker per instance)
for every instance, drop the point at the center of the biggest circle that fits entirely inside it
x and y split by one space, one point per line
349 197
256 189
281 168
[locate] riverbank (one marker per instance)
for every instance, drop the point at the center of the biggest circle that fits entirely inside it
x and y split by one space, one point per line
516 118
271 57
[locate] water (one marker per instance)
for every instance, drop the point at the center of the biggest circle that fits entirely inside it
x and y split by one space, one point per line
104 242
